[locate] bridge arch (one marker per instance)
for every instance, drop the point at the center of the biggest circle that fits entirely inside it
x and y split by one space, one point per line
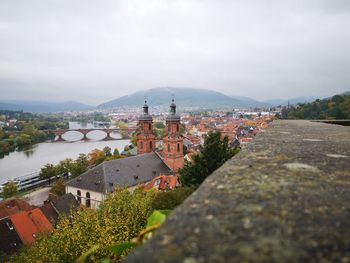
108 133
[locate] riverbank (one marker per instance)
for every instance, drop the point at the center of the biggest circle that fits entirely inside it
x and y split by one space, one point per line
32 160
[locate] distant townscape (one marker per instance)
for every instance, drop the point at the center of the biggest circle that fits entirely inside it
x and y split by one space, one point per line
168 154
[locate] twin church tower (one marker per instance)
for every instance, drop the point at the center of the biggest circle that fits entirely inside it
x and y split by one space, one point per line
172 153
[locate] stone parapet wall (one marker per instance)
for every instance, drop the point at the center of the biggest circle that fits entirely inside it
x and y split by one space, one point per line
284 198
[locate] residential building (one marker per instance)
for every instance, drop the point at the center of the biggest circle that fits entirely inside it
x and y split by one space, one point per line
10 241
30 224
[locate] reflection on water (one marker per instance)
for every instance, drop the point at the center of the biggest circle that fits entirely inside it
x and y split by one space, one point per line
30 152
31 159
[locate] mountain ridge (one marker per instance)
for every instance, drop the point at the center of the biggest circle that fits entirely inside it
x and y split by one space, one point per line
184 97
43 106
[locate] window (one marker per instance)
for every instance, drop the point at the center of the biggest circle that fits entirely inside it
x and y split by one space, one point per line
151 145
141 145
79 196
178 147
168 127
150 126
9 226
87 201
168 147
177 127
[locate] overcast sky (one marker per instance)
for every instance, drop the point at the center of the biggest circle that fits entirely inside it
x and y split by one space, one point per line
95 51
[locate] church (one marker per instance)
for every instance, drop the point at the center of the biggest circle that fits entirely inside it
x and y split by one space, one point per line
92 187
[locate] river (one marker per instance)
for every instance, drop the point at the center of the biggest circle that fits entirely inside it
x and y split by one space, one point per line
24 162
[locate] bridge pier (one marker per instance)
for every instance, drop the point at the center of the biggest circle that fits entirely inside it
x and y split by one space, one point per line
60 138
108 137
85 138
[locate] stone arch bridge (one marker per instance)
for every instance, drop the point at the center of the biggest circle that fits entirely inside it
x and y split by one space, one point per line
123 131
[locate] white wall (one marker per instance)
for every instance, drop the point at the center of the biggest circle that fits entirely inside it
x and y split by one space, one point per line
95 197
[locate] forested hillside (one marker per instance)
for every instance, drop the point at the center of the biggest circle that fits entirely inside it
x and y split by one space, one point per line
337 107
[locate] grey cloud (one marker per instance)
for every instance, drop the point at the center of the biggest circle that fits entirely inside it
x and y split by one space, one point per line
93 51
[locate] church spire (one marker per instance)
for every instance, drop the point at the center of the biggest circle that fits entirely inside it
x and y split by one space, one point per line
145 107
145 135
173 116
173 106
173 141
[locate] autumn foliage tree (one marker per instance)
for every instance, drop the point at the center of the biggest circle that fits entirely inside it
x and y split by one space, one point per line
9 190
94 155
58 188
120 218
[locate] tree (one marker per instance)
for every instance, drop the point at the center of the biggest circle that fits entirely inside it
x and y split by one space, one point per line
170 199
9 190
58 188
116 152
64 166
120 218
23 139
159 125
82 159
126 148
78 169
100 159
134 139
121 124
107 151
48 171
215 152
93 155
159 133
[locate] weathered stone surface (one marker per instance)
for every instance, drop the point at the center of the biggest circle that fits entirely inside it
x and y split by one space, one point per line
284 198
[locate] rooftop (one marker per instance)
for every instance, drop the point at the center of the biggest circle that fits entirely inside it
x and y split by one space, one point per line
284 198
12 206
124 172
29 224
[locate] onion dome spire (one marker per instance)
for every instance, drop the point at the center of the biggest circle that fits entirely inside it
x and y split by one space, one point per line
173 116
145 107
145 116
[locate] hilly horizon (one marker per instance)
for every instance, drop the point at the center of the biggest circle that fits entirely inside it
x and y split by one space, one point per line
43 106
184 97
201 98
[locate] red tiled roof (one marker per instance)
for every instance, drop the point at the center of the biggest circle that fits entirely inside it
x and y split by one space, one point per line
13 206
162 182
29 224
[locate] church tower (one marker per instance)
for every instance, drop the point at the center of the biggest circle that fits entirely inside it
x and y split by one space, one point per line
145 134
173 154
